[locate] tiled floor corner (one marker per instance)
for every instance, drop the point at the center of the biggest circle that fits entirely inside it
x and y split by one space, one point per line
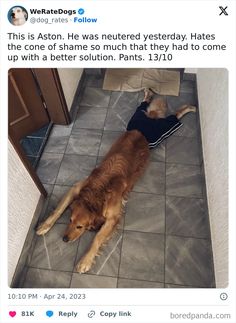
164 238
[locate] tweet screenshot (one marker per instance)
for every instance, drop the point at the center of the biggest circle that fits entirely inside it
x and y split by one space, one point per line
117 143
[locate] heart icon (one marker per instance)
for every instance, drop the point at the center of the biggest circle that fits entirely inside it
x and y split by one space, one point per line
12 313
49 313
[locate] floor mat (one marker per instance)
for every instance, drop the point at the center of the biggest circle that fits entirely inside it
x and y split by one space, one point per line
131 80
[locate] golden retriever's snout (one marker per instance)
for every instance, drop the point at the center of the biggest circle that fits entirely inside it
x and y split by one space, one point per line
65 238
73 232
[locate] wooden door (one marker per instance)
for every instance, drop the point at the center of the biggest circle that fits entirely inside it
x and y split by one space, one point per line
27 112
35 98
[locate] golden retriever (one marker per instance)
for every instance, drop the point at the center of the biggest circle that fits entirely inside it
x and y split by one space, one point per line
97 201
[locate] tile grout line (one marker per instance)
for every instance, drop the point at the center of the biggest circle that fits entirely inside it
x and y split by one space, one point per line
103 129
123 232
121 249
64 153
168 234
109 276
23 283
157 233
142 192
109 255
90 274
72 272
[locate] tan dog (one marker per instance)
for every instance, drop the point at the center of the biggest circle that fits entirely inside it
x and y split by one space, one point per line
157 108
96 202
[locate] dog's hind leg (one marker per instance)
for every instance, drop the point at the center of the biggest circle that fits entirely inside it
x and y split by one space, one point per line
184 110
44 227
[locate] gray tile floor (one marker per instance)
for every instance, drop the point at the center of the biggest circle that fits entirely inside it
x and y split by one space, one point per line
164 238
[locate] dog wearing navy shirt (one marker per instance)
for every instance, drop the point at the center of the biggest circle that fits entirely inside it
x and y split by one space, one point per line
150 119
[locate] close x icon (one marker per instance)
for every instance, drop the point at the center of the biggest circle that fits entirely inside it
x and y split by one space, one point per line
223 11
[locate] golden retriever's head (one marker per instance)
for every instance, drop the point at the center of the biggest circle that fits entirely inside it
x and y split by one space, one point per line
157 108
84 217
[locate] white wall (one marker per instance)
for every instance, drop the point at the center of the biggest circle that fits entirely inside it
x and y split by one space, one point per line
213 109
23 197
70 78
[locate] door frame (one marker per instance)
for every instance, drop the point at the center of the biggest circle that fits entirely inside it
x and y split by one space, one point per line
54 100
50 85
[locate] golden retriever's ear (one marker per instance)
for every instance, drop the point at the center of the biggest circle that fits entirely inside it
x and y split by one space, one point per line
73 205
96 223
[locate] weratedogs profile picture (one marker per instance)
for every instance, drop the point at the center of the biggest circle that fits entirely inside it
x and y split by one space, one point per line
17 15
116 179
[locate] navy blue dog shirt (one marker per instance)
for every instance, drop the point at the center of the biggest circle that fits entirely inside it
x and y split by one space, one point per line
154 130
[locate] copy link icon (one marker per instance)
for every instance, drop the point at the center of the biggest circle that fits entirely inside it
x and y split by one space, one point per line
91 314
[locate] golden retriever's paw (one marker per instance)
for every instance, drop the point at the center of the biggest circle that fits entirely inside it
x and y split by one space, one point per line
185 106
43 229
84 265
192 108
148 94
